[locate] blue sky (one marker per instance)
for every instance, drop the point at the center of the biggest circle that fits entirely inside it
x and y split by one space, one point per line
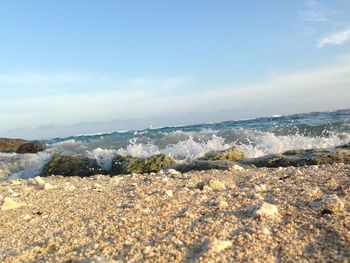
71 67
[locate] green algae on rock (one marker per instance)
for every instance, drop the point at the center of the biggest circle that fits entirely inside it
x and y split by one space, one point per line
231 154
72 166
127 165
203 165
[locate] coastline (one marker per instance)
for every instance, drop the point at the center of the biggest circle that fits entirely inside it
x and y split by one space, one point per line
181 217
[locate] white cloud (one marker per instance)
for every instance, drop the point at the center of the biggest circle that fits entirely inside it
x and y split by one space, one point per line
337 38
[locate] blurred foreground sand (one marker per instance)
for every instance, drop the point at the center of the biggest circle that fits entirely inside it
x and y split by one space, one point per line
253 215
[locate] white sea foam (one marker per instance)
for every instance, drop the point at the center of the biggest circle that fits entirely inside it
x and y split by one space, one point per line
25 165
69 147
139 150
104 157
190 149
257 144
269 143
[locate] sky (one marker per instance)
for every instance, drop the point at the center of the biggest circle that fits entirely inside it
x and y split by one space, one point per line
90 66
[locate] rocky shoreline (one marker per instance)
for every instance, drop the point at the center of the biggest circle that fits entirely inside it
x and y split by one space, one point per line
71 165
237 215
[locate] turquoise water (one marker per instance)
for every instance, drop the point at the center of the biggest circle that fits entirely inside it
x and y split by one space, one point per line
257 137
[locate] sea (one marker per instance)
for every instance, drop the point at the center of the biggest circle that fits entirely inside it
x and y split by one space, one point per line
257 137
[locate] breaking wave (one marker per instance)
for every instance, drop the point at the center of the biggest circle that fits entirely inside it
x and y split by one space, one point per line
256 137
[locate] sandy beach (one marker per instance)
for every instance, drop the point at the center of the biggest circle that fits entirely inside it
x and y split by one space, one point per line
251 215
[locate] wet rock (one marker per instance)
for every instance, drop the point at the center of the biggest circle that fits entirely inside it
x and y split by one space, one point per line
20 146
72 166
232 154
203 165
11 145
31 147
264 210
8 203
302 157
128 165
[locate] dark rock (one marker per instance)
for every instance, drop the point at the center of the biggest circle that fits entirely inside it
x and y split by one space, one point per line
31 147
11 145
20 146
127 165
203 165
327 211
72 166
302 157
232 154
345 146
297 152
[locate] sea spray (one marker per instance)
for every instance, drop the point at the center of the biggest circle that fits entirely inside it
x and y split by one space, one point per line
256 137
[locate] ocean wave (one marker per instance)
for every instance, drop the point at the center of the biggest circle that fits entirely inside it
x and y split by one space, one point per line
257 137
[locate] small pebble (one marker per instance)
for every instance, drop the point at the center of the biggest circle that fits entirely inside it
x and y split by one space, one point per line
237 168
216 184
216 245
332 202
27 217
9 203
169 193
173 172
221 203
260 188
264 210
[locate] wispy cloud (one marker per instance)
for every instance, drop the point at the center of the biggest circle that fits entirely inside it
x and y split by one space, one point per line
33 84
323 23
308 90
314 11
313 16
337 38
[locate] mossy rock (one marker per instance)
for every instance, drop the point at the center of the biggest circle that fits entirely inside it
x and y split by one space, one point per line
11 145
127 165
232 154
72 166
297 152
203 165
